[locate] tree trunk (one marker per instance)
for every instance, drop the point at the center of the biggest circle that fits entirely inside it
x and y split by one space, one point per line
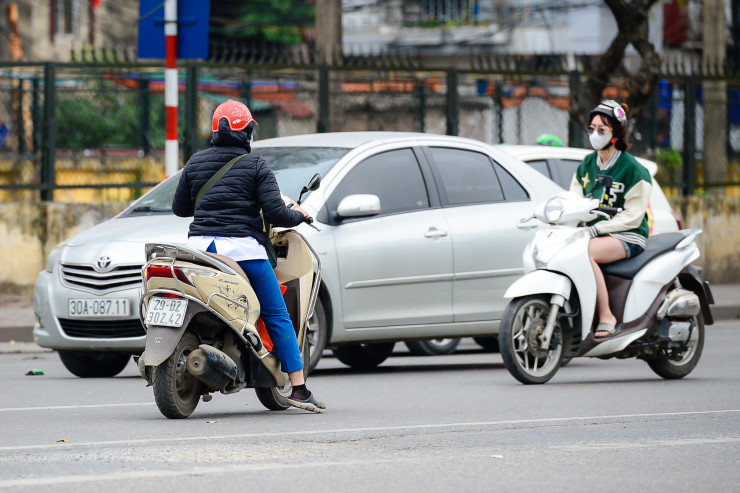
714 96
632 26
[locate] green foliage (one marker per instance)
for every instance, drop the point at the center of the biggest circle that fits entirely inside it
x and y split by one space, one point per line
276 21
101 115
669 158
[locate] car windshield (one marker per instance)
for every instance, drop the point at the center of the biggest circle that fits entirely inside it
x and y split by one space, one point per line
293 168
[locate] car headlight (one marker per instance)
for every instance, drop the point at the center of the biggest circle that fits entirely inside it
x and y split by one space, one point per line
554 209
54 257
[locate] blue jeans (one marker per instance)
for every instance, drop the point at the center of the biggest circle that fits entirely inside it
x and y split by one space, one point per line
273 311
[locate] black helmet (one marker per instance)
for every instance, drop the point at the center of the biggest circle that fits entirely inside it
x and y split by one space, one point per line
610 109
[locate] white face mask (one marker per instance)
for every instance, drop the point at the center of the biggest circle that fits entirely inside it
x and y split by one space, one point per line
598 142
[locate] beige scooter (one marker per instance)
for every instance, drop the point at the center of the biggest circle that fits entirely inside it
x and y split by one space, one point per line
204 333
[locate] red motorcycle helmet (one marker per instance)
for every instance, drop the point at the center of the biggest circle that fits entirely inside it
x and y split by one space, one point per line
236 113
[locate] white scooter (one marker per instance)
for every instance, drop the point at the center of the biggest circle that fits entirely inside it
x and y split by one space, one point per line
657 296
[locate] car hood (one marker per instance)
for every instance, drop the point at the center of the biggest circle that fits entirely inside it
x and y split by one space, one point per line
137 229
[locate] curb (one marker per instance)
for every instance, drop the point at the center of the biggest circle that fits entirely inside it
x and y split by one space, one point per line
22 348
725 313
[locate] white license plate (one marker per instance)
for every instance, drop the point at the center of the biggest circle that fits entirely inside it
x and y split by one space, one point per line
169 312
98 307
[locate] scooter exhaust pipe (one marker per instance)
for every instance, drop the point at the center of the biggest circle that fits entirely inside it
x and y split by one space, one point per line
212 367
679 303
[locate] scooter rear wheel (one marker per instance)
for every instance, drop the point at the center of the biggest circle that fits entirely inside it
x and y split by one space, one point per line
672 365
176 391
523 322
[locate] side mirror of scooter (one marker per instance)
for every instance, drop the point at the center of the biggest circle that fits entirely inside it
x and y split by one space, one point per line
312 186
604 182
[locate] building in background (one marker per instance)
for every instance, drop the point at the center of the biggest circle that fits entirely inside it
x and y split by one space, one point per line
50 29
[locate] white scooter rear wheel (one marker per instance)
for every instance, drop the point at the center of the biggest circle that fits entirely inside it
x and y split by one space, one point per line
672 364
519 340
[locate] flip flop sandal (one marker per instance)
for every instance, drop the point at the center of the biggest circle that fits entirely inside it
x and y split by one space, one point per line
611 329
311 404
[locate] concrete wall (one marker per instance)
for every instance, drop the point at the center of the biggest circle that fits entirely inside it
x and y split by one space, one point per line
719 218
29 231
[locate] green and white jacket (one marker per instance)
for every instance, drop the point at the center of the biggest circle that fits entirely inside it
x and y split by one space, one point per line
630 190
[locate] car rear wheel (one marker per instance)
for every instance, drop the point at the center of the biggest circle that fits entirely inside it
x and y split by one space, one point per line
364 356
433 347
94 364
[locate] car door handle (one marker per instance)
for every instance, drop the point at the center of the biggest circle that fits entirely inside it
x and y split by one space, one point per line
435 233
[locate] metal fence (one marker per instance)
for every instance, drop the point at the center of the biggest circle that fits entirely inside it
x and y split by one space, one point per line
95 131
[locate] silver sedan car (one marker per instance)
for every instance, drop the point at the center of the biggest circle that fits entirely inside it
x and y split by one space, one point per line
418 241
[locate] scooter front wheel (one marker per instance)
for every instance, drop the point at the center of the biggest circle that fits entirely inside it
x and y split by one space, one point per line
176 391
519 340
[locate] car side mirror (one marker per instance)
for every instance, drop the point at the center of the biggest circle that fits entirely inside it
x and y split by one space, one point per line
359 205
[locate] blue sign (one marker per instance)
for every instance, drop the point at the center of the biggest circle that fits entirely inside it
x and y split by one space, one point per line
3 133
193 18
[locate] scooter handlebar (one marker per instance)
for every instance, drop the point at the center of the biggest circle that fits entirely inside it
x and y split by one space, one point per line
309 220
611 211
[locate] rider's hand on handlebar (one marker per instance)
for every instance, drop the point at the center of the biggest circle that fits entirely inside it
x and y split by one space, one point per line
301 210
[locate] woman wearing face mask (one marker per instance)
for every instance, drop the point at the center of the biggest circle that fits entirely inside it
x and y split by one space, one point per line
624 235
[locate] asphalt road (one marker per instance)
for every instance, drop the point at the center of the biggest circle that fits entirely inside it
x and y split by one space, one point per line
446 423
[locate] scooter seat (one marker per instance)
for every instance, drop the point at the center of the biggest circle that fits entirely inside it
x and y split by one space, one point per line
656 245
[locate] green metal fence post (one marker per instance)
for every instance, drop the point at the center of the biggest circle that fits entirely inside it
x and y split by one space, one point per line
689 138
452 102
575 132
191 112
22 148
323 124
48 180
498 106
421 95
145 131
245 91
35 116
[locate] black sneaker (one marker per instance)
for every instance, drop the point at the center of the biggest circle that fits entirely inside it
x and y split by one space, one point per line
310 404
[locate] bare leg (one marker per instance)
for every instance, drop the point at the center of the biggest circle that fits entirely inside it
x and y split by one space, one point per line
296 378
603 250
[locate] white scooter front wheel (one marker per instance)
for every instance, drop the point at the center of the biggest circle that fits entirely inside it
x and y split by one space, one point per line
522 325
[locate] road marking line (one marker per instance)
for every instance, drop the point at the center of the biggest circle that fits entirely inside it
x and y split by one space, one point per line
600 419
198 471
76 406
654 443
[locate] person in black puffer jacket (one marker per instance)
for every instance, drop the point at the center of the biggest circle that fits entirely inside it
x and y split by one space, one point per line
227 221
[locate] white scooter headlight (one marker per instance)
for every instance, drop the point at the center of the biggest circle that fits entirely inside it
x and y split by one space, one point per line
554 209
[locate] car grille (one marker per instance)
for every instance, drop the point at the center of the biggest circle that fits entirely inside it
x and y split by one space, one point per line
102 329
87 278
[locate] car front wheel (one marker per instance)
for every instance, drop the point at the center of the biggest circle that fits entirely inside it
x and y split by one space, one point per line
318 332
94 364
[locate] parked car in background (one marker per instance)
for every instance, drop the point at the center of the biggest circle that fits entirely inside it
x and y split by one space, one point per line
418 241
560 164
